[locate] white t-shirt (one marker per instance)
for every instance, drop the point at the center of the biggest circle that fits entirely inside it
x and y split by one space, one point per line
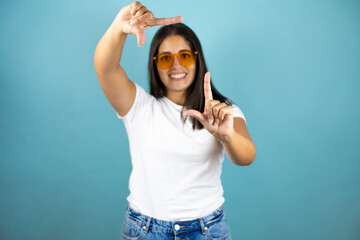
175 169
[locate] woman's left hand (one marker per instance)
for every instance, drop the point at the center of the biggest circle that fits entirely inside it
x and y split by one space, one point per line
217 117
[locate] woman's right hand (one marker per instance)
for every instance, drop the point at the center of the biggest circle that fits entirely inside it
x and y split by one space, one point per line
135 18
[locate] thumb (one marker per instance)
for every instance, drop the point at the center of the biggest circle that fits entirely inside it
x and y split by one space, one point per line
140 38
196 114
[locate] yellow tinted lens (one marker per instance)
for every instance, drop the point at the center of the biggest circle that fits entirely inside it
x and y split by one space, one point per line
164 61
186 58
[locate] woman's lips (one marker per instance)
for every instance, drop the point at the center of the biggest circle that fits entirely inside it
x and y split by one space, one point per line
177 76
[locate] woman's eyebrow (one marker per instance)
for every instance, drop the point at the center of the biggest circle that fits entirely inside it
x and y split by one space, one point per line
178 51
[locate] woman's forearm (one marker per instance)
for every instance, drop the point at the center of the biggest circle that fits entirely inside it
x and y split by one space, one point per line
240 150
109 49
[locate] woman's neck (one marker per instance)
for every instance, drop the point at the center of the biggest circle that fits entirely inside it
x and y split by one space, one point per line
176 97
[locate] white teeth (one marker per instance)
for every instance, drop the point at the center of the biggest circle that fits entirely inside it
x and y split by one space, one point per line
181 75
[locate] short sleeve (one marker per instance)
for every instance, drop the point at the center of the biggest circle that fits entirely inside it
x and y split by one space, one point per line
237 112
141 99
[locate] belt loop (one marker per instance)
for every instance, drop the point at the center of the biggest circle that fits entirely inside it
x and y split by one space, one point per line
146 227
203 228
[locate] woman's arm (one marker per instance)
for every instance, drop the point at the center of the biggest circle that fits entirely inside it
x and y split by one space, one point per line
218 119
239 147
118 89
131 19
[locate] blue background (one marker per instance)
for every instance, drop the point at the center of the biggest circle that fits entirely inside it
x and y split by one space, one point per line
291 66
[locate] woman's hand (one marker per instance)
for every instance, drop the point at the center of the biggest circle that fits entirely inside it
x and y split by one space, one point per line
135 18
217 117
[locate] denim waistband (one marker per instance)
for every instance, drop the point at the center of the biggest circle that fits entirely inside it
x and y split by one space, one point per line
175 226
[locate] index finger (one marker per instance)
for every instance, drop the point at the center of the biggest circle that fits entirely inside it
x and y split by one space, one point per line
168 21
207 88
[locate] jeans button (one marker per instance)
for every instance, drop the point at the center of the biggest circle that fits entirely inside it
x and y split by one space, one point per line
177 227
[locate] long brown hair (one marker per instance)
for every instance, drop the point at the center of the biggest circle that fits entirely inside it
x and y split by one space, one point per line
195 98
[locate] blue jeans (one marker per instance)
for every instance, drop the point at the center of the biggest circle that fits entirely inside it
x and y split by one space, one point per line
138 226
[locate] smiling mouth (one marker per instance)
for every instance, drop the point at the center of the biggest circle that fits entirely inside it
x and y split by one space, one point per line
178 76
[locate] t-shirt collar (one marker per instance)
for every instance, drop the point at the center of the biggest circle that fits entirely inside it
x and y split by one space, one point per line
176 106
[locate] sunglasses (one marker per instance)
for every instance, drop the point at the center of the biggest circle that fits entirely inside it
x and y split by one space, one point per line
165 60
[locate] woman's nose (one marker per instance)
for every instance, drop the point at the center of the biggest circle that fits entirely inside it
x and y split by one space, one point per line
176 62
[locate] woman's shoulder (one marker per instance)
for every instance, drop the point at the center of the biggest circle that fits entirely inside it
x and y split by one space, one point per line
142 100
237 112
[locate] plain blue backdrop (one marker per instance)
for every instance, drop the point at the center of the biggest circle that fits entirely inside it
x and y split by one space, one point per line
293 67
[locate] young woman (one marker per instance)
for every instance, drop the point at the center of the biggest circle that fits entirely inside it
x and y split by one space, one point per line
177 134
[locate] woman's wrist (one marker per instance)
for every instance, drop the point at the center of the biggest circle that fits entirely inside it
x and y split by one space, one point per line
226 139
118 30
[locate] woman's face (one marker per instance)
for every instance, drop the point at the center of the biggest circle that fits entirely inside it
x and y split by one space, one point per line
177 78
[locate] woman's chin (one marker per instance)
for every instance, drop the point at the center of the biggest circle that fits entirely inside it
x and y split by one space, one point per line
177 85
